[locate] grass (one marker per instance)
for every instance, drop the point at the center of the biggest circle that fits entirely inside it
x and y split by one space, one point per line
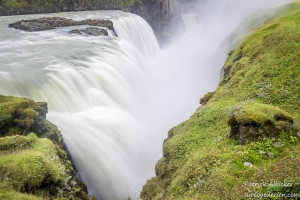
260 85
29 164
7 192
33 166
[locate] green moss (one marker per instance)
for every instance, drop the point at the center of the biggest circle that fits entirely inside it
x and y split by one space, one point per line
206 98
38 166
7 192
10 105
17 142
262 113
260 86
53 134
28 164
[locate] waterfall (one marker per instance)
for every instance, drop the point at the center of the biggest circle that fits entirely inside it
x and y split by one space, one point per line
114 98
95 88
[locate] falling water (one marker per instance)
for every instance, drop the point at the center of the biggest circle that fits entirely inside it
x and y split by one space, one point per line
114 98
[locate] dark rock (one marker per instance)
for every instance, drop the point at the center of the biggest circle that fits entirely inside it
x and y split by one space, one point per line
163 16
227 71
47 23
281 117
101 23
238 57
90 31
251 132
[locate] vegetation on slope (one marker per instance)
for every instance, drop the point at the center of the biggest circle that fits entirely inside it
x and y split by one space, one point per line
33 166
257 103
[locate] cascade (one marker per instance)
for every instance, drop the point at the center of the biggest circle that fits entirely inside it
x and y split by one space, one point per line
114 98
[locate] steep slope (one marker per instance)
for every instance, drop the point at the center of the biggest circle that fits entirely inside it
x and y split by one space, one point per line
34 163
244 140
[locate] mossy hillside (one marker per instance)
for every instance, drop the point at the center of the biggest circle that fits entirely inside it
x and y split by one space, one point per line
255 21
7 192
27 161
201 161
34 164
20 116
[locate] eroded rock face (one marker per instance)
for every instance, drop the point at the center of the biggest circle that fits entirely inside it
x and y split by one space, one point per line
47 23
93 31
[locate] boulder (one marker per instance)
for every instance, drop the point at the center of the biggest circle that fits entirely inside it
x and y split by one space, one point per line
47 23
250 122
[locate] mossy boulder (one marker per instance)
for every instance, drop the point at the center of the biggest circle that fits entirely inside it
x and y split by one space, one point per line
251 122
34 166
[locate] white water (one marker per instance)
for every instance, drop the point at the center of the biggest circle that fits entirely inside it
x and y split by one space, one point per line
114 99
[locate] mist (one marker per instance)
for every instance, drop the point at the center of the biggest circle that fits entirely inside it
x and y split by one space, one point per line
191 65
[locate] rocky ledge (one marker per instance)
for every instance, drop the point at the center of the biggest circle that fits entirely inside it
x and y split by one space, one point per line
47 23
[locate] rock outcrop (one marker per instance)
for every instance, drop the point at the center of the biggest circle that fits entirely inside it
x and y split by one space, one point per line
34 159
47 23
252 122
93 31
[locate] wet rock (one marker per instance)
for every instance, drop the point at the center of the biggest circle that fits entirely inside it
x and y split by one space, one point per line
93 31
41 24
47 23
